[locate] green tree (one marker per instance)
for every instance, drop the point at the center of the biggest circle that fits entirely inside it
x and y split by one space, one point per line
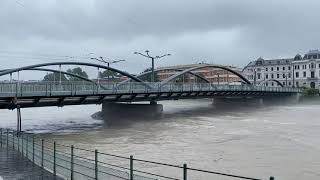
54 77
78 71
113 76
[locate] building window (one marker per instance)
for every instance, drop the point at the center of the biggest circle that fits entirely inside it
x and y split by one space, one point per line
283 68
278 76
298 66
266 83
271 83
284 83
266 69
289 75
266 76
304 74
289 68
283 76
312 74
289 83
319 65
271 76
277 68
297 84
259 75
297 74
271 68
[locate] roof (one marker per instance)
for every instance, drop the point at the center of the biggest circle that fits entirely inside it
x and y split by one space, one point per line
262 62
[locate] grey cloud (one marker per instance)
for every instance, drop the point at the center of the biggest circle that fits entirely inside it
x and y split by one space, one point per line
219 31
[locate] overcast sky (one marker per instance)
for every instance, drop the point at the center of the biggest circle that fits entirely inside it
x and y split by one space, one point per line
216 31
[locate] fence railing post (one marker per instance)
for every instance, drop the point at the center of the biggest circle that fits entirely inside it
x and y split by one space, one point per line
71 162
1 136
7 139
54 158
33 149
185 172
131 167
13 133
27 147
96 164
22 144
42 148
18 143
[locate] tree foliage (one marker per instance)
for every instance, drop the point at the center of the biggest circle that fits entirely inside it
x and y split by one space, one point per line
54 77
78 71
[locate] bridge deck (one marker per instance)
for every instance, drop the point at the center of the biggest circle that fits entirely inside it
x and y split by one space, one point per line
48 94
15 166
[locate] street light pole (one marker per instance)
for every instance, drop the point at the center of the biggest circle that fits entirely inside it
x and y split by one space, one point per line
108 63
152 61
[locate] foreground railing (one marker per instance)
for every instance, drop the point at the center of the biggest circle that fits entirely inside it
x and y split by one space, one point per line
78 88
75 163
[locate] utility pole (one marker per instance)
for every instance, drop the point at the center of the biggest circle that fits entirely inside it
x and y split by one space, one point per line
152 63
101 59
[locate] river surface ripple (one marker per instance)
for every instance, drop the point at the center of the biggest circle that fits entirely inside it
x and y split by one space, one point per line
282 141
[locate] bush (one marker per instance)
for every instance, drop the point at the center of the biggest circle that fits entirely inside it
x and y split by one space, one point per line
310 91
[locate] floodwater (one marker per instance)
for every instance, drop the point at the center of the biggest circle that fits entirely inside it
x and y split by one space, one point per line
281 141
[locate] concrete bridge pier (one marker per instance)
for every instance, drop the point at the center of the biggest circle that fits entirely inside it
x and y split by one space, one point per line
227 102
112 110
282 100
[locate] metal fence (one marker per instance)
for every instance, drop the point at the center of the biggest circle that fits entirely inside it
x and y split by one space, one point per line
78 88
75 163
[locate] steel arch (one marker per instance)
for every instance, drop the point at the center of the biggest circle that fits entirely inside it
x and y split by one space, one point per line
206 66
157 70
73 63
274 80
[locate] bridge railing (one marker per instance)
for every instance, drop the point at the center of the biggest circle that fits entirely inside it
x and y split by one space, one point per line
70 162
78 88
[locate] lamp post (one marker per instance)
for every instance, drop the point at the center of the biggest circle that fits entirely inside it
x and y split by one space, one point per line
108 64
152 59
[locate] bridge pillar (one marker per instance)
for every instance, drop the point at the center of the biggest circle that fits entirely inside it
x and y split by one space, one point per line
226 102
128 111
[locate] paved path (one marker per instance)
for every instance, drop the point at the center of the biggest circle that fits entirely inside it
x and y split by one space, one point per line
13 166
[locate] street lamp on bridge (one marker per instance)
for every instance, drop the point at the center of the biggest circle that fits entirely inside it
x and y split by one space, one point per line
152 59
101 59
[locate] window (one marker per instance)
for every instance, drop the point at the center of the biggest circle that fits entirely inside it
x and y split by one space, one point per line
283 76
266 76
271 76
259 75
278 76
266 83
271 83
289 75
266 69
289 83
283 68
289 68
319 65
304 74
297 84
298 67
284 83
297 74
271 68
312 74
277 68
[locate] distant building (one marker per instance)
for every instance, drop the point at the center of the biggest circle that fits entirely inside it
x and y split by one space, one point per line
297 71
214 75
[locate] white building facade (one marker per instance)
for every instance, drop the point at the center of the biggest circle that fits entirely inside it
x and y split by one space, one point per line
291 72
